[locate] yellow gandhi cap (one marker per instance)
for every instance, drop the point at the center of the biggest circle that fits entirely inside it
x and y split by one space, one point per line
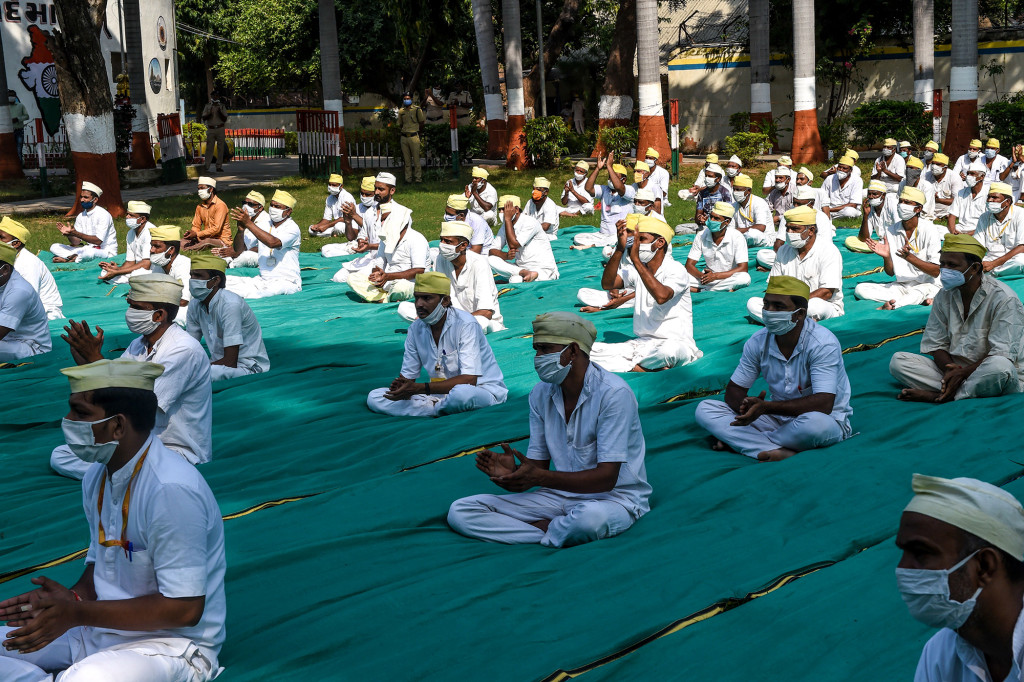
992 142
583 165
652 153
282 197
996 187
979 508
620 169
913 194
652 225
848 161
724 209
165 233
788 286
806 172
890 142
113 374
457 228
563 329
933 145
259 198
877 186
642 166
366 184
963 243
139 207
742 180
631 221
433 283
904 143
335 178
975 143
479 172
851 152
205 260
155 288
542 182
786 161
940 158
711 158
914 162
458 201
7 253
801 215
15 229
509 197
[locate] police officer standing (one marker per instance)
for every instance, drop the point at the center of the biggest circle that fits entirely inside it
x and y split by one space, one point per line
410 118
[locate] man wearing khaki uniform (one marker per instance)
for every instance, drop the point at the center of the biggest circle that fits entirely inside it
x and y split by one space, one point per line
410 118
215 116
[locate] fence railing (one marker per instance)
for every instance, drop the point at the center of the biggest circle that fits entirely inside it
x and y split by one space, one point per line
257 143
55 147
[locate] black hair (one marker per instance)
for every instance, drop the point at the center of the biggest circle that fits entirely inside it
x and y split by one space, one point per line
799 302
169 308
1014 567
972 259
176 245
138 405
214 273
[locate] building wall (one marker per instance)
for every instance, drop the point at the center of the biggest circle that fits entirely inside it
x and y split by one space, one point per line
711 85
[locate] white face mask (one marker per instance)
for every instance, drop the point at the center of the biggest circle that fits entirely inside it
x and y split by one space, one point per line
974 179
842 175
888 152
277 214
132 223
973 154
796 240
875 203
653 163
991 153
927 156
550 369
82 441
741 195
906 211
448 251
781 185
160 259
778 322
435 315
580 176
449 217
995 207
199 289
205 194
938 170
249 210
140 321
732 172
926 594
366 201
334 190
710 181
646 253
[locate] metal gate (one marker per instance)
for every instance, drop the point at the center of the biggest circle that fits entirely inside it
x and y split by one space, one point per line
256 143
321 142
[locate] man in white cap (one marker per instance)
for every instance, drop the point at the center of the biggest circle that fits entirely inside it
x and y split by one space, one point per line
457 209
659 177
185 399
24 331
150 604
771 178
946 184
802 363
357 222
910 252
224 320
278 253
974 334
724 251
472 282
29 266
644 203
542 208
782 194
805 178
715 190
92 236
483 198
403 253
662 315
890 168
376 199
805 195
970 202
962 571
338 209
1000 230
616 199
843 191
521 252
575 197
752 218
136 256
462 373
210 224
244 249
816 262
585 421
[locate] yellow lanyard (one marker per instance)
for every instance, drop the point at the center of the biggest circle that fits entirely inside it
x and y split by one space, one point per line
748 216
909 241
1006 224
123 543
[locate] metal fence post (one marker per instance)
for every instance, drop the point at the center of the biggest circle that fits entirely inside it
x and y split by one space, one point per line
454 122
673 105
41 153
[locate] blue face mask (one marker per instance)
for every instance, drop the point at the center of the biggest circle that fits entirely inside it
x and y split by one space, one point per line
714 225
903 154
407 102
87 205
450 217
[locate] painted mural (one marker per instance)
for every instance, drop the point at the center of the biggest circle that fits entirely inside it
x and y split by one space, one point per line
39 75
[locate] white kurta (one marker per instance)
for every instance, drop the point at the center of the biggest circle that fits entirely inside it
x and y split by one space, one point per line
483 235
894 164
912 286
573 204
96 222
945 187
279 268
821 268
1002 237
659 183
999 164
720 258
604 427
614 207
968 208
462 349
815 366
137 249
22 311
547 213
333 211
755 211
490 195
534 251
838 193
35 272
368 231
412 251
474 289
227 320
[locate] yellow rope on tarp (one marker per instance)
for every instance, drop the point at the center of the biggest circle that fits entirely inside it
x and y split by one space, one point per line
875 271
463 453
870 346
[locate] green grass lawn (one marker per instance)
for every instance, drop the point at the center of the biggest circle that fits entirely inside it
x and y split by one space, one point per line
426 201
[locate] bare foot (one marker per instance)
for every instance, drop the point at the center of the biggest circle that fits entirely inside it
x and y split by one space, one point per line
928 301
542 524
775 455
694 290
590 309
580 248
530 276
918 395
891 305
719 446
761 268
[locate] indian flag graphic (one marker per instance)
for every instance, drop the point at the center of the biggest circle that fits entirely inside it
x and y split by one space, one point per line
40 77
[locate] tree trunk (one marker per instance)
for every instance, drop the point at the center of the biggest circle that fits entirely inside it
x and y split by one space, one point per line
85 99
806 138
330 76
648 57
494 108
10 167
142 146
515 155
760 64
561 33
616 105
963 78
924 52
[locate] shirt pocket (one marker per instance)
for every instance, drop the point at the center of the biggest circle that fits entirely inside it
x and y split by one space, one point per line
137 575
583 456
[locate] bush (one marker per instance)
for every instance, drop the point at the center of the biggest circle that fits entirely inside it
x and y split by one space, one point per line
747 146
872 122
291 142
835 136
582 143
619 139
437 141
546 139
1003 119
740 122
